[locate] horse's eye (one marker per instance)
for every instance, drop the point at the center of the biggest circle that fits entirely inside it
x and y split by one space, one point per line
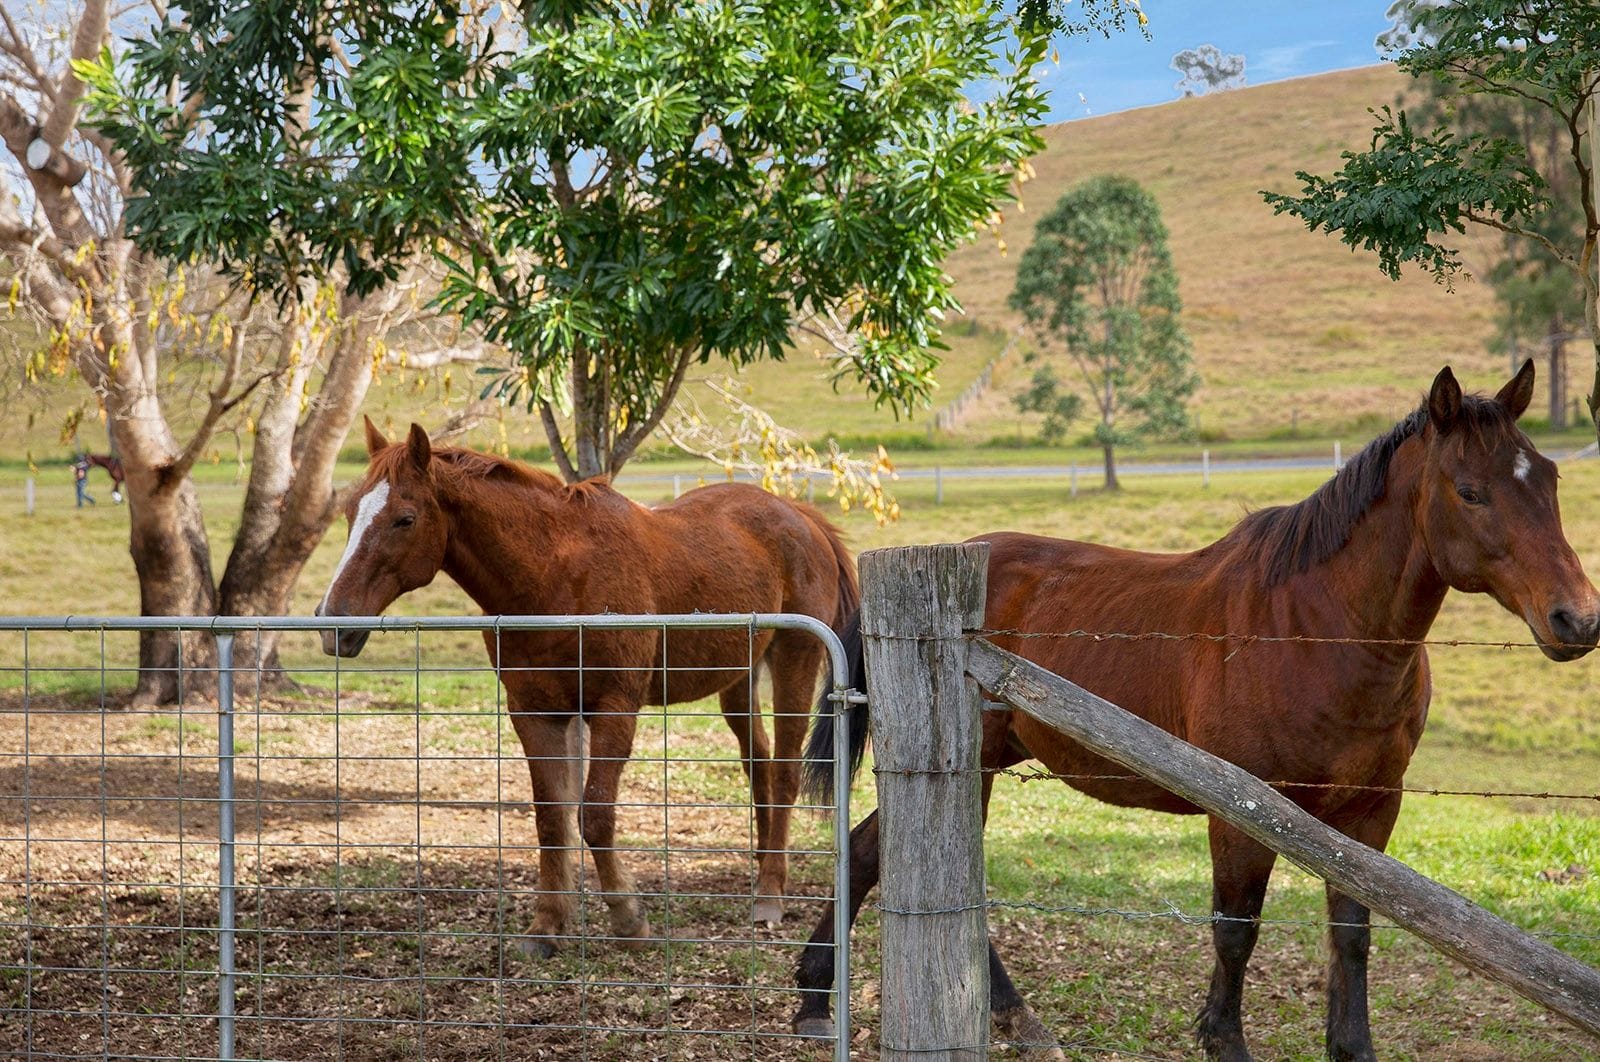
1470 496
404 520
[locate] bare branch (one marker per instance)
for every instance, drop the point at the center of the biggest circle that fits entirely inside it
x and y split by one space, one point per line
217 408
18 48
463 420
623 448
94 26
1517 230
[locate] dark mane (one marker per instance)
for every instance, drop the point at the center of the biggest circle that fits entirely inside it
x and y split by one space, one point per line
1289 539
477 465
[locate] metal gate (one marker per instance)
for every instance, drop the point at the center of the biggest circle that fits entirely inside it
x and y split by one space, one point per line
281 869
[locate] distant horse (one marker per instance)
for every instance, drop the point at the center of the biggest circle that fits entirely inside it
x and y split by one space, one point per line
113 466
1452 497
519 541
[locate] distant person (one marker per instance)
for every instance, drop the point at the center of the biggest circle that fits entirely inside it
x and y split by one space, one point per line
80 480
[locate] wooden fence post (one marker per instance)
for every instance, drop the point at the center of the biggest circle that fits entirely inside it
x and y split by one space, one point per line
927 736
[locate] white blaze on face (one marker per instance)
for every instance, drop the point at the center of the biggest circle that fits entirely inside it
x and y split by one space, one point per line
1521 465
372 504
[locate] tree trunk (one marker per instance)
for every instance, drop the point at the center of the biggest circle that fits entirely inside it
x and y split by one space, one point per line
1591 308
1558 375
167 533
172 561
1111 467
591 414
290 500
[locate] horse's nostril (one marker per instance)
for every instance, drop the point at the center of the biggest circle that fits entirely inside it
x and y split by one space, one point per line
1572 629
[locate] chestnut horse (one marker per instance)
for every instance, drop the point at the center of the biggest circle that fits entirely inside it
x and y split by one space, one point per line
1453 497
519 541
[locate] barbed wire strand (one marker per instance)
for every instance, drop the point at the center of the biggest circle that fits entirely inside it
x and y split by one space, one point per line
1247 639
1175 913
1040 776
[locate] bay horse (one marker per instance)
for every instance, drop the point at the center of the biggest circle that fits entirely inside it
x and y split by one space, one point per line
1452 497
520 541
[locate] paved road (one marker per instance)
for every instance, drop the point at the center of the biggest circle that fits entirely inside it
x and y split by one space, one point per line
1047 472
1089 472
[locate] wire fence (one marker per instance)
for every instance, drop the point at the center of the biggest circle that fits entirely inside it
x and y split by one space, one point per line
339 858
1073 884
1288 787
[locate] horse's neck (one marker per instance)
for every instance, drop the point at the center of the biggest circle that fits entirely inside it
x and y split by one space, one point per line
1383 578
501 541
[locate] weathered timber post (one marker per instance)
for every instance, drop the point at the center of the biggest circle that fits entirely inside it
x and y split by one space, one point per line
927 733
1444 918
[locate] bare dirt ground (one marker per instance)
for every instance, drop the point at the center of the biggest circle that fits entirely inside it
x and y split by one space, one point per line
349 944
381 896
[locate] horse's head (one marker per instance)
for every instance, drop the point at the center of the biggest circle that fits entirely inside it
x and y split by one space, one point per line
397 536
1490 520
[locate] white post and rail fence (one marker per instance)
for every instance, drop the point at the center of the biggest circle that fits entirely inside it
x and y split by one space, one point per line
925 673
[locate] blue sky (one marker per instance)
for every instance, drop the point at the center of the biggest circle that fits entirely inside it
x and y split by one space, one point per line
1282 39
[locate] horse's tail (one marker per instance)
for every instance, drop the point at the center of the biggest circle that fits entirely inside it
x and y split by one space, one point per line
820 750
847 625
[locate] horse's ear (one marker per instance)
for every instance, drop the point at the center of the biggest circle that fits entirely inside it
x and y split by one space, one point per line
418 447
1518 391
375 439
1444 400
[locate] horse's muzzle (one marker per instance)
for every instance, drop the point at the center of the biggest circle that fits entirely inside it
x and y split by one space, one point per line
1573 635
344 643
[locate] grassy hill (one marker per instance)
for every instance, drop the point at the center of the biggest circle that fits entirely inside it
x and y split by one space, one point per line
1289 327
1281 318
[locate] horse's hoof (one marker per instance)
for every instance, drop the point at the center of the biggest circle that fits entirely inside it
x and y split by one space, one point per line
535 947
816 1028
768 913
637 938
1022 1029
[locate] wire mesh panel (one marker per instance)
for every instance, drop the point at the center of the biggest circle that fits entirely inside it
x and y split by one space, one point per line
315 857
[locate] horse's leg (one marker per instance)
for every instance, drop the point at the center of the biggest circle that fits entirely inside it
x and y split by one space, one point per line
1240 869
1349 938
815 975
1013 1018
1018 1025
793 661
610 744
743 716
550 744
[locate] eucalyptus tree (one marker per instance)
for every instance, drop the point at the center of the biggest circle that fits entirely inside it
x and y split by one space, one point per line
1098 282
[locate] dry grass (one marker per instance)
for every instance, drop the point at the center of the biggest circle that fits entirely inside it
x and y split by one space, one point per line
1280 317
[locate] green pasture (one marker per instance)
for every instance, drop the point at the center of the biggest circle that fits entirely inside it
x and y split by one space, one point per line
1502 719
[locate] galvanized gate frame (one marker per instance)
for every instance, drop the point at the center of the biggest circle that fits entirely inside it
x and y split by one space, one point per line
225 628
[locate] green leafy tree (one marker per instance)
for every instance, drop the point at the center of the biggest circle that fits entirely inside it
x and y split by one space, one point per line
1098 281
1540 301
1411 191
622 190
1045 394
